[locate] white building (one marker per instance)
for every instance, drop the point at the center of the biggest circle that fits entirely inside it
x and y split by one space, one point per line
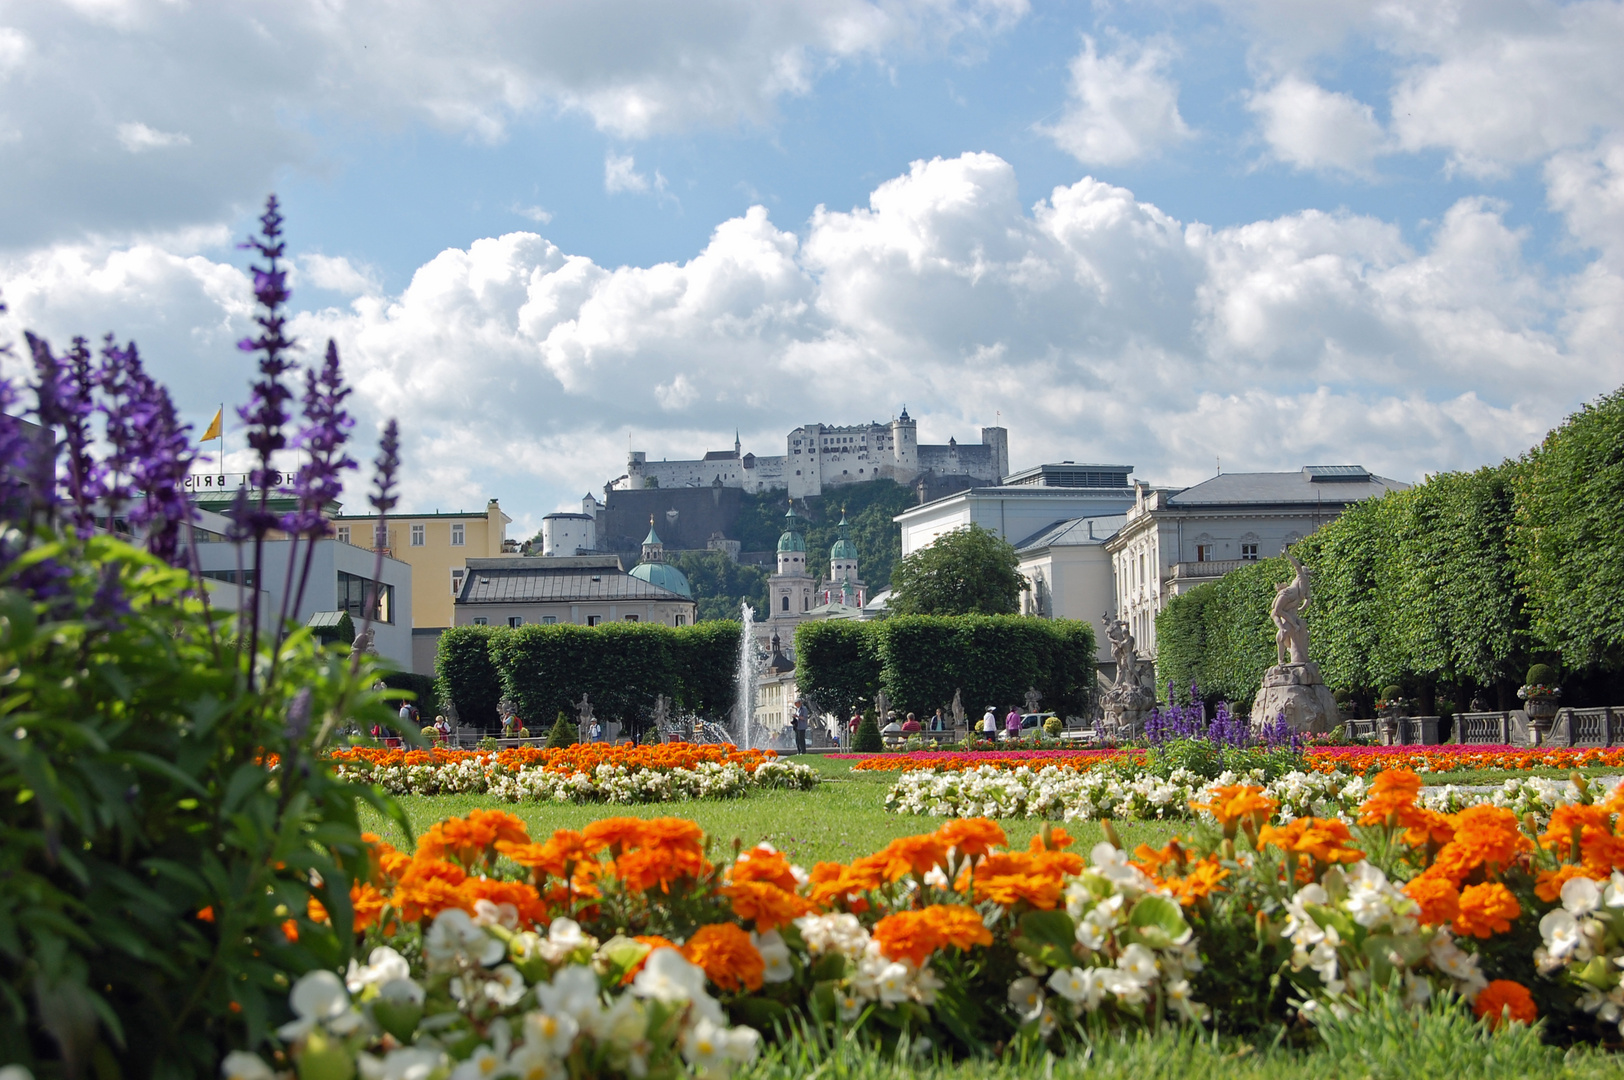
1071 573
817 456
1031 502
569 533
581 590
1175 539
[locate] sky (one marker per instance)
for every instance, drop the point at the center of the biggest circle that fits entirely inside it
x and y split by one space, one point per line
1180 235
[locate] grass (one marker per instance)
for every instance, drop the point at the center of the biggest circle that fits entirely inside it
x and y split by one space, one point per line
1500 776
1387 1043
839 820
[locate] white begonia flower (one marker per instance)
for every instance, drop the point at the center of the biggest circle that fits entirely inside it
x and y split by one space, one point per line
1139 963
406 1063
504 915
454 941
401 990
850 1003
1614 896
1181 1001
774 956
505 986
384 965
483 1063
893 982
564 937
1026 998
319 997
926 985
1561 933
1112 864
1124 987
1580 896
1070 983
573 992
667 976
705 1046
743 1043
533 1063
238 1065
1417 990
553 1032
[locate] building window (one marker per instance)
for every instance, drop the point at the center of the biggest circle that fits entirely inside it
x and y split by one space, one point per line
515 621
593 620
1203 553
1249 552
549 620
786 602
456 581
682 620
458 537
480 620
353 593
629 618
417 535
343 534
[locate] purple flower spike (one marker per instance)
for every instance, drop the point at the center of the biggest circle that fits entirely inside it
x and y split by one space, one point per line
266 413
151 451
384 496
327 429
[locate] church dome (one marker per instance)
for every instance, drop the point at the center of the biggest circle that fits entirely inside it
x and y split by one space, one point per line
791 540
844 548
664 576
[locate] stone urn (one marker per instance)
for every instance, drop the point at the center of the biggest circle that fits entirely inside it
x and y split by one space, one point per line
1541 710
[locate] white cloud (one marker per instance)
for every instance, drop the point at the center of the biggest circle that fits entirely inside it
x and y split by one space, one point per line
1121 106
1099 326
336 274
1313 128
620 174
534 213
241 80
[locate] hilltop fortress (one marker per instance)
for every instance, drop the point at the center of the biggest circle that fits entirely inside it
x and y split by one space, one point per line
819 456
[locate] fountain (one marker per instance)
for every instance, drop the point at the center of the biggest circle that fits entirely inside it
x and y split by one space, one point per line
745 708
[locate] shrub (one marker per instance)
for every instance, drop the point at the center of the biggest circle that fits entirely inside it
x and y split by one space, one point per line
1054 725
706 661
620 667
868 740
1392 693
425 695
562 733
467 677
1542 675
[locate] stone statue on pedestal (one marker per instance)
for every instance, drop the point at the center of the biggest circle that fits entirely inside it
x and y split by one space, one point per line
583 713
957 709
1133 695
1032 700
1294 687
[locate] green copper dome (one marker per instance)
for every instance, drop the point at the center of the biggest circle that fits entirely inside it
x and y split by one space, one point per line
844 548
791 540
664 576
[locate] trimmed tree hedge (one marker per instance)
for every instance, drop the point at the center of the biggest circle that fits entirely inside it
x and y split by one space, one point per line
920 660
621 667
1459 582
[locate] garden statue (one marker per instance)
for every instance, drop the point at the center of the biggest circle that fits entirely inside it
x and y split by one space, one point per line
1294 687
1290 598
1128 700
363 642
882 707
957 709
583 712
662 714
1032 700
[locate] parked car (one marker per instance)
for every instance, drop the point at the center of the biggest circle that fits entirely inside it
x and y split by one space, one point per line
1031 725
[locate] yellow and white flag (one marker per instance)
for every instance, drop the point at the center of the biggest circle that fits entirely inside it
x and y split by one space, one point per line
214 427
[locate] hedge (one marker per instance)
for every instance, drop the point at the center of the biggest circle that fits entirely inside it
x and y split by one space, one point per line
621 667
1459 582
921 660
466 676
428 694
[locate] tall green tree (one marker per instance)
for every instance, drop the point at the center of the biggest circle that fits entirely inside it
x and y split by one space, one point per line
1569 535
969 571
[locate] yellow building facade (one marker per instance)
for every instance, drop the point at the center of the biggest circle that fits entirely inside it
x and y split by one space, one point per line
437 547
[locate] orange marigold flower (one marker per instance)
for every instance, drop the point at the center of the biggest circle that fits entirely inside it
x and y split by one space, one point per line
907 935
645 868
836 883
473 838
1151 860
911 854
1504 1000
206 914
524 898
1204 879
674 833
727 956
1008 878
428 887
1325 840
1484 836
1234 802
616 832
1437 898
1057 838
1548 883
290 930
973 837
1486 910
767 904
960 927
1392 791
368 904
762 864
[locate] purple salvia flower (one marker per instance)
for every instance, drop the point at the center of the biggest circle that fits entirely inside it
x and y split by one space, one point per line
266 413
384 496
16 450
125 407
151 450
49 377
326 430
82 474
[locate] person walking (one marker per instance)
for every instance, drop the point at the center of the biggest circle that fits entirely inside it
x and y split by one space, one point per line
851 728
989 724
939 721
1012 724
800 722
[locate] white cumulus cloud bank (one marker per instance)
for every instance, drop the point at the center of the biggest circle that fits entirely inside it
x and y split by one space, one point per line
1122 106
146 114
1099 327
1310 127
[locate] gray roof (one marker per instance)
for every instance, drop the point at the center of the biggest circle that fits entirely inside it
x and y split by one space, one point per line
1074 532
1336 484
537 581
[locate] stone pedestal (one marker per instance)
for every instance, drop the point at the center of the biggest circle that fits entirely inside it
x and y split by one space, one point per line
1125 709
1299 691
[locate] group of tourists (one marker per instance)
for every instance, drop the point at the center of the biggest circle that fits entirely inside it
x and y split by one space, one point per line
1012 723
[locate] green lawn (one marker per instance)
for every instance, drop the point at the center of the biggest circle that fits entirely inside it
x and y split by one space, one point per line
839 820
1500 776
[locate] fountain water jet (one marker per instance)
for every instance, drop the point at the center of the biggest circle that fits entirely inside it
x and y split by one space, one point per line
745 708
